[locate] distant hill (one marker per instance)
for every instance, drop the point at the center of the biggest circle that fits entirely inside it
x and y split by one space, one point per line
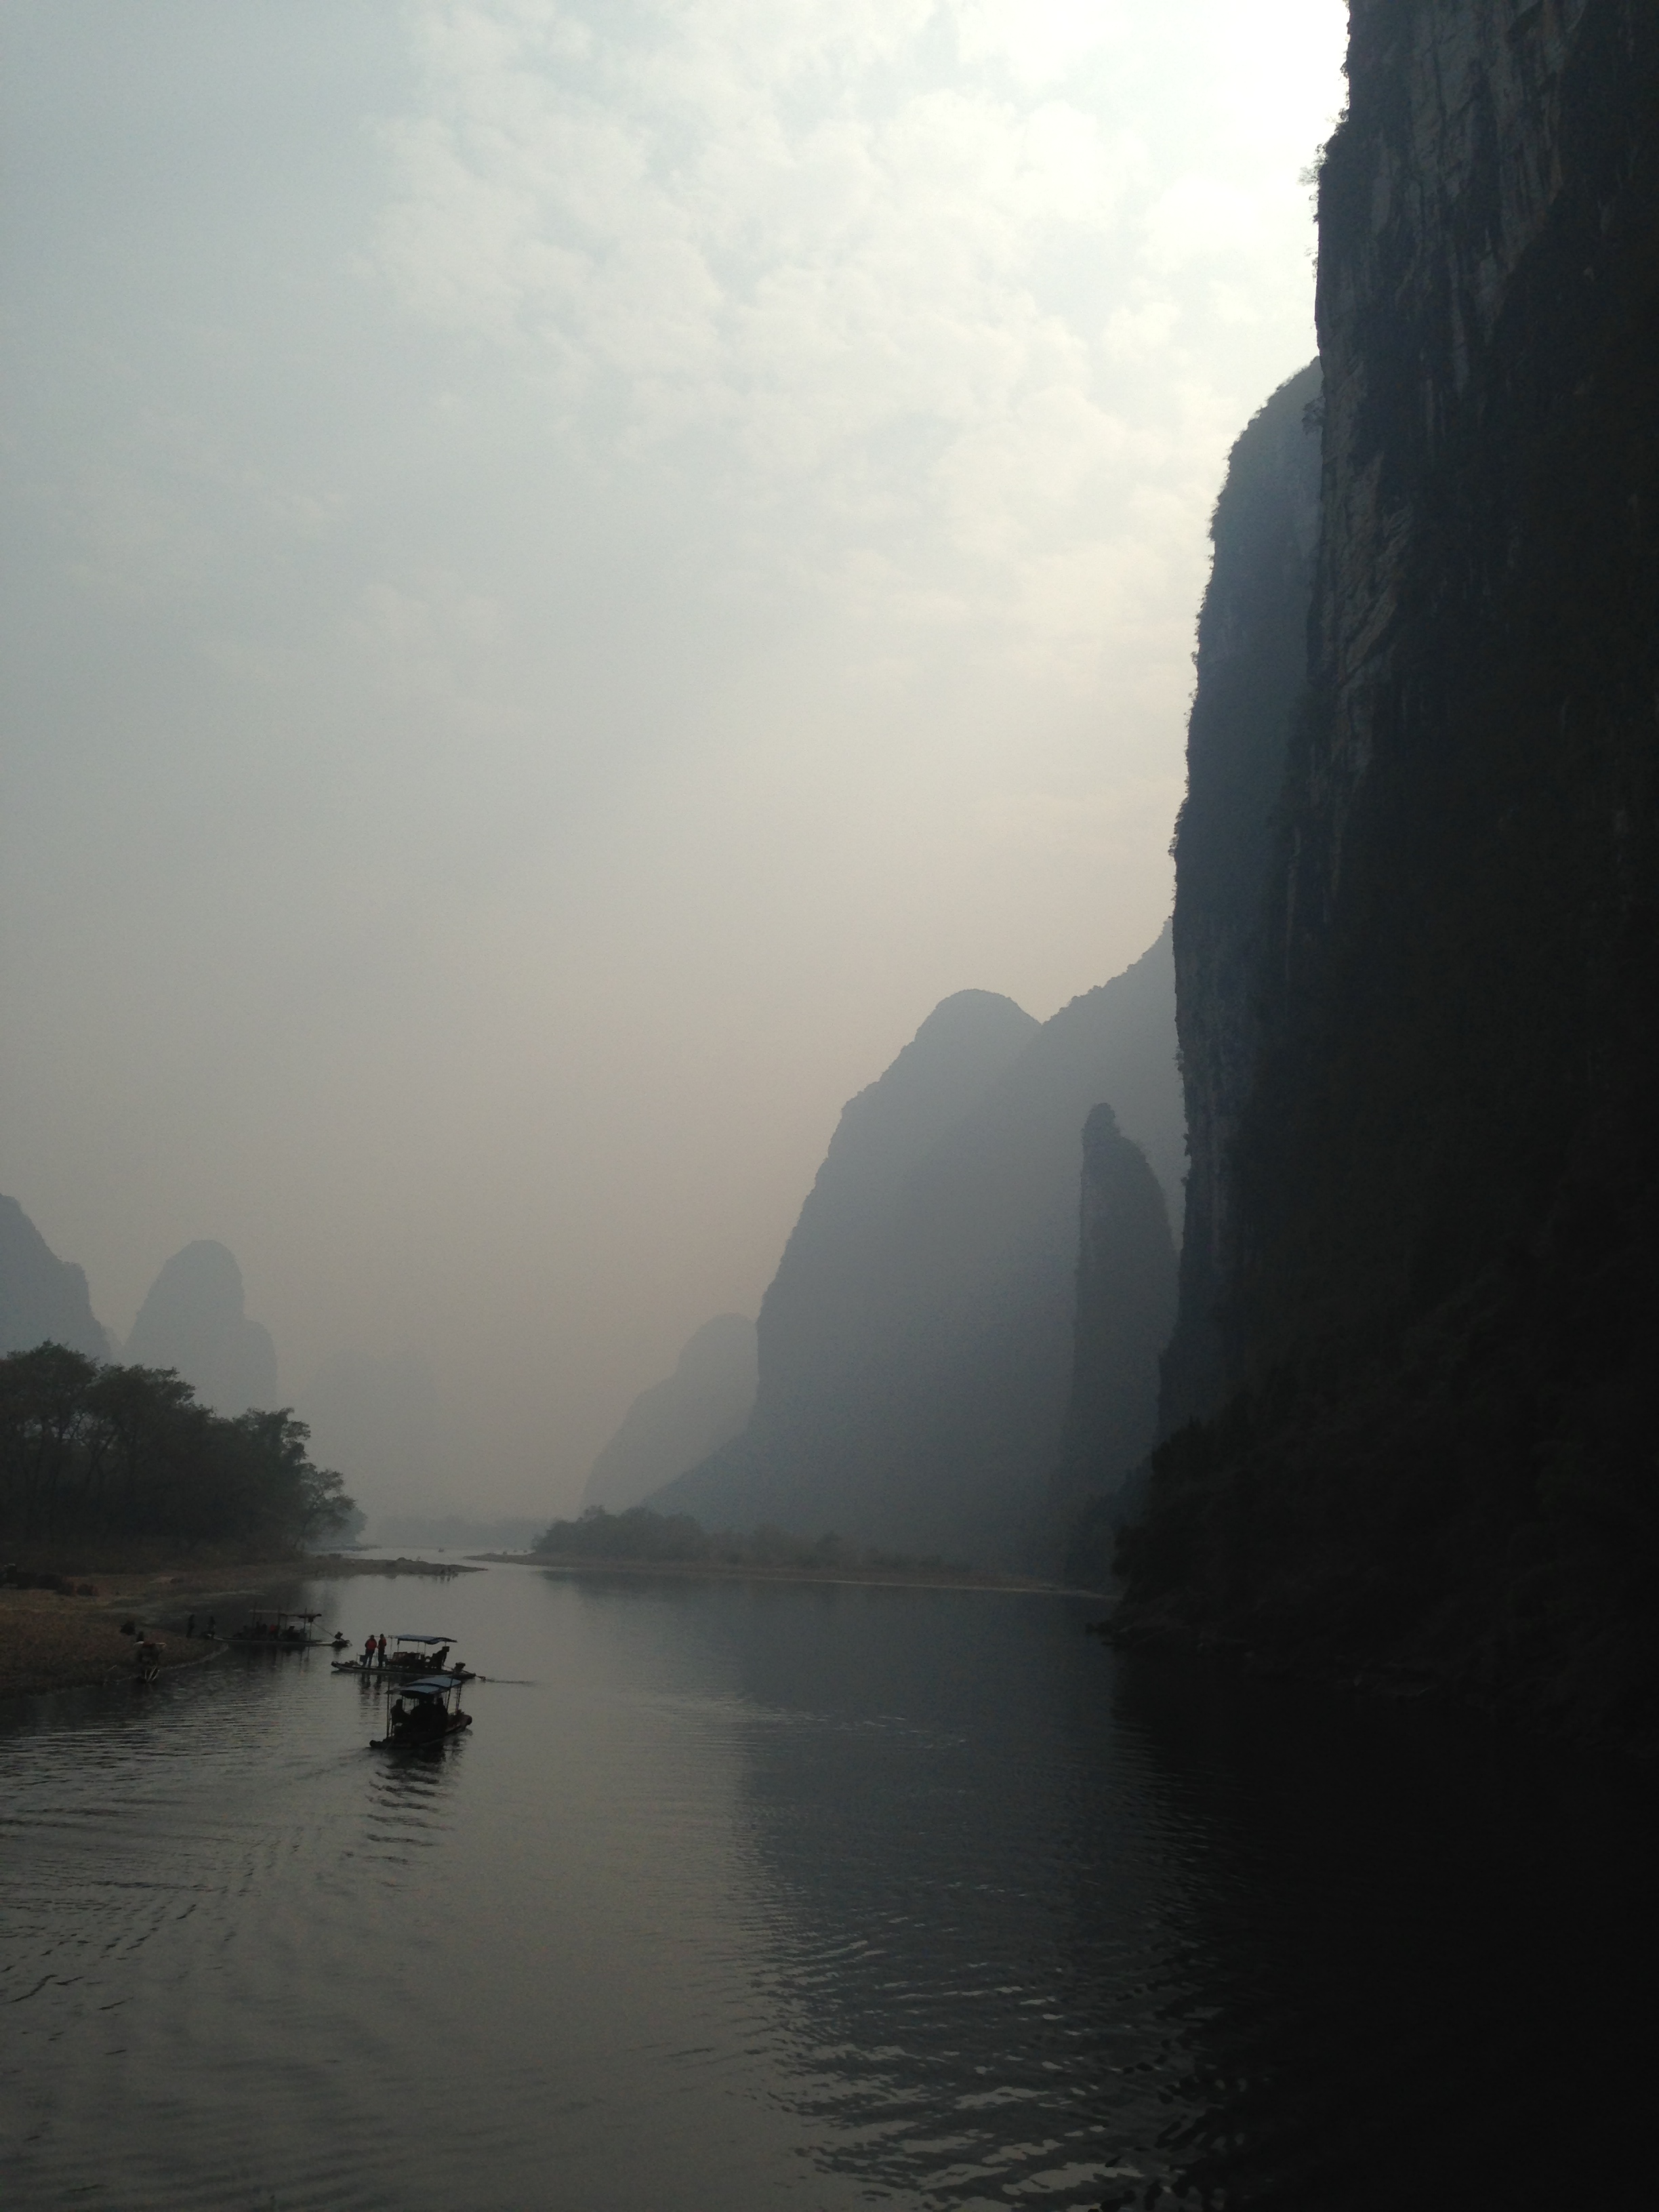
702 1405
916 1343
193 1319
42 1297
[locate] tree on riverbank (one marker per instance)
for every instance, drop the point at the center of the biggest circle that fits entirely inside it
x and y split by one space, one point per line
88 1450
676 1538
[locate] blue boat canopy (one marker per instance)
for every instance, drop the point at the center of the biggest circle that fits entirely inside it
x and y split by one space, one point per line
429 1686
426 1639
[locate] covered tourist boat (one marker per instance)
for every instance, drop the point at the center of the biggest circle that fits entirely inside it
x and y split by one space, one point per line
276 1631
412 1655
423 1713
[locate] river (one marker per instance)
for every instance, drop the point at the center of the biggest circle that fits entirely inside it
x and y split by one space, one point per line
743 1895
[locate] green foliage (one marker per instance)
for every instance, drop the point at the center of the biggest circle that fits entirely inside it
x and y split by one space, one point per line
93 1451
676 1538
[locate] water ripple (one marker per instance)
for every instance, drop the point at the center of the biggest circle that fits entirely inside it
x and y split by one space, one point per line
774 1898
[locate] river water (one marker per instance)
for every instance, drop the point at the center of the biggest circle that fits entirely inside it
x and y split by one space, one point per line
739 1896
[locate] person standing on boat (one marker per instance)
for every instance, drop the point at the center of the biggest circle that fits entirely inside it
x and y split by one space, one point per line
382 1650
368 1652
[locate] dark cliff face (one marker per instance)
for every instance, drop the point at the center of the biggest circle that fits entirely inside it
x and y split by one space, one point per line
1252 667
1439 1307
916 1345
42 1299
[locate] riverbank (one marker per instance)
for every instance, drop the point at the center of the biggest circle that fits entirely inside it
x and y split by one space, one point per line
48 1642
323 1566
948 1578
52 1640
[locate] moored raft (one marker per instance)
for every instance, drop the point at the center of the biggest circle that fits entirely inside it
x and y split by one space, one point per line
277 1631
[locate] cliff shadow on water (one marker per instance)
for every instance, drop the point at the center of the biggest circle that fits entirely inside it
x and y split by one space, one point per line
1239 1943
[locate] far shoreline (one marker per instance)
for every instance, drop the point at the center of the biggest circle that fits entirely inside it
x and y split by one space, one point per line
843 1578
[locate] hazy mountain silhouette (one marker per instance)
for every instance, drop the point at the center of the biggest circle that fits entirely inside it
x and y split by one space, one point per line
916 1343
702 1405
193 1319
42 1299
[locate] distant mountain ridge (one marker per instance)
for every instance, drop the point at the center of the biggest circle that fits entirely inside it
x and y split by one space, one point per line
702 1405
916 1344
43 1298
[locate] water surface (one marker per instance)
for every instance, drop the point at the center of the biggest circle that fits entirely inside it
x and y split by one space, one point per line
743 1895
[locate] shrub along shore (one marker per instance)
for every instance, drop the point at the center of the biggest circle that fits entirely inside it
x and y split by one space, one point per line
642 1542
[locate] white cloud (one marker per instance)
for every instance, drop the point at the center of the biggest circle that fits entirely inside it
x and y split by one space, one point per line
858 275
1039 39
552 624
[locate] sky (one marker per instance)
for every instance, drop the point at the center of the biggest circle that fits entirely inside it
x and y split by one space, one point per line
570 571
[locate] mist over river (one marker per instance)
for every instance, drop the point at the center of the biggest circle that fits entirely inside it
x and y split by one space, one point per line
745 1895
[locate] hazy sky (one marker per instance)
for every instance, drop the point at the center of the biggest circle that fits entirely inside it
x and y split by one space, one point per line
570 570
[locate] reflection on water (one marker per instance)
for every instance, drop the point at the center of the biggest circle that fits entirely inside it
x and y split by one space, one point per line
755 1895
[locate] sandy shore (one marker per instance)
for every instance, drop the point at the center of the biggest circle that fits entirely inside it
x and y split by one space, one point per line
52 1642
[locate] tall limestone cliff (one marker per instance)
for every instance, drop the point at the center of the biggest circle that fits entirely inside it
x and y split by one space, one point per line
1439 1296
1125 1309
42 1299
193 1319
1252 675
702 1405
916 1345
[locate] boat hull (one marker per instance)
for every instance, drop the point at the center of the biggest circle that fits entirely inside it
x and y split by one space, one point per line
457 1722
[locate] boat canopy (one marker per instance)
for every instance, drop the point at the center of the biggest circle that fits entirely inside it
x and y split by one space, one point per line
426 1639
431 1685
